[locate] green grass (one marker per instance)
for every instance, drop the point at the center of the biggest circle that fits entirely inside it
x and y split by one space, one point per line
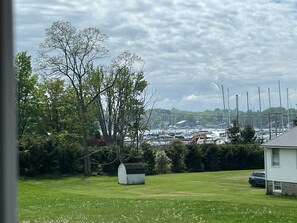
192 197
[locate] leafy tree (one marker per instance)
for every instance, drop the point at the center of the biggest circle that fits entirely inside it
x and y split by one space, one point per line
248 134
68 53
120 108
28 103
59 105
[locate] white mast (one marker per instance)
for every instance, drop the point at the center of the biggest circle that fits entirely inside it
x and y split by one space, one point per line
229 121
280 104
223 93
288 109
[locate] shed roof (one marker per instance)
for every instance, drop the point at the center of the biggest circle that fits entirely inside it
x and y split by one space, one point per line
134 168
286 140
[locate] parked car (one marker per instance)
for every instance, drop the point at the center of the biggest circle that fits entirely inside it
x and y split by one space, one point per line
257 179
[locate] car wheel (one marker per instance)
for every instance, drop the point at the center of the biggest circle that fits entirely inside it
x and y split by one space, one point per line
253 183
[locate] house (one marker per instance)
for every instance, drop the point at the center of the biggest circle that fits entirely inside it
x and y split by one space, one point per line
280 155
131 173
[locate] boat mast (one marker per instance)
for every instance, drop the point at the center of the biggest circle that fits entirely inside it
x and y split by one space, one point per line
223 93
248 108
280 104
269 115
260 109
288 108
229 121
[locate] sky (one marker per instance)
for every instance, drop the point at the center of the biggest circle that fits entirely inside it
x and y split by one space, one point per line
196 54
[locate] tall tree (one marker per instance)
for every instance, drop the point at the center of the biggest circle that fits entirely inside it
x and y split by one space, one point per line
234 133
121 107
69 53
27 94
248 134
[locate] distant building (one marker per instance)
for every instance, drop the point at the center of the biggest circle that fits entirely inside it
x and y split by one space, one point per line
183 123
280 156
131 173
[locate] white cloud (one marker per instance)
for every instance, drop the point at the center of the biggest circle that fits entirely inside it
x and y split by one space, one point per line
191 97
190 47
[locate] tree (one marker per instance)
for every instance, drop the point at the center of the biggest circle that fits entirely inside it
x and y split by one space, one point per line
27 94
233 133
162 162
193 158
120 108
248 134
70 54
148 158
177 156
212 158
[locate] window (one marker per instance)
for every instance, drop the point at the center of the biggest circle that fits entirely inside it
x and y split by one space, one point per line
275 157
277 186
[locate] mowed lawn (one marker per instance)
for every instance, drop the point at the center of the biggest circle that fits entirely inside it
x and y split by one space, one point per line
188 197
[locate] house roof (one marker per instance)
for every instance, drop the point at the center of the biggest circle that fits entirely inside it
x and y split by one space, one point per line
134 168
286 140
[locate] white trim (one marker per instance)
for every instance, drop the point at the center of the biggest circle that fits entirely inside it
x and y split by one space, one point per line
277 186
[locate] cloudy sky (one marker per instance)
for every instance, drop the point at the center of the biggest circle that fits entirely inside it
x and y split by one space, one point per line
190 48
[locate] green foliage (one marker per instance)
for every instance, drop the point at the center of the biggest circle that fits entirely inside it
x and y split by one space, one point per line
193 158
48 154
106 158
212 154
176 152
234 133
148 158
54 154
163 163
69 53
28 101
248 134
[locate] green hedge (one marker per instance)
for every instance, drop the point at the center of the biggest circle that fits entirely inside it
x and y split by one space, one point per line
59 155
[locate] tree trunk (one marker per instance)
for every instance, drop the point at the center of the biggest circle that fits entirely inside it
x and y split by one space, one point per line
87 158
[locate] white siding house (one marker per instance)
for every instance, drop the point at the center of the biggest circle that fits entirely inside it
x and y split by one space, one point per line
281 164
131 173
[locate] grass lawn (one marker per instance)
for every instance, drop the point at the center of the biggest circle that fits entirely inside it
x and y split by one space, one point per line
189 197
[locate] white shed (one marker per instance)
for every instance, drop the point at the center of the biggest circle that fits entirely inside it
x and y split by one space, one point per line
131 173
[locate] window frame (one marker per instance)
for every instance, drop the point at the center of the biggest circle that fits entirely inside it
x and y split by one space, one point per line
275 157
277 187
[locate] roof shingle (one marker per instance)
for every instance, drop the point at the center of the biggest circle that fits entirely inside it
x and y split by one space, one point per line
286 140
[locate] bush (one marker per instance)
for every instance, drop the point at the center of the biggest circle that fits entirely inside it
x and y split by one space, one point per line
163 163
176 152
193 158
148 159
